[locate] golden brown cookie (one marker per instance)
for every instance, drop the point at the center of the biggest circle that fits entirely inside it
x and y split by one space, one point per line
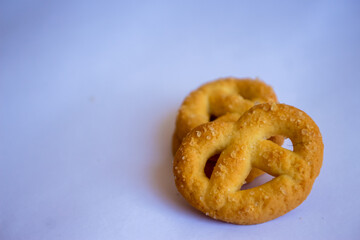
215 100
243 145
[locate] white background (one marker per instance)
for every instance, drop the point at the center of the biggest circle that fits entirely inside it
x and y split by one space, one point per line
89 94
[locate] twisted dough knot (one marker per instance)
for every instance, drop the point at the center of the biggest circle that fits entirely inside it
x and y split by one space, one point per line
243 145
224 100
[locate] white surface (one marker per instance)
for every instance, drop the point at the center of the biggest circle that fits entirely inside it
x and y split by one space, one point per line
89 93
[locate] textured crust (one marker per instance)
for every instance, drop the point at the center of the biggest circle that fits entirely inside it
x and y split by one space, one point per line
218 99
242 145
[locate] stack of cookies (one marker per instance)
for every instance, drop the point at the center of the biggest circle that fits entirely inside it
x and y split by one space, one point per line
230 131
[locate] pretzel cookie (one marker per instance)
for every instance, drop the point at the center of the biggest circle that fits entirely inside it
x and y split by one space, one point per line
242 145
215 100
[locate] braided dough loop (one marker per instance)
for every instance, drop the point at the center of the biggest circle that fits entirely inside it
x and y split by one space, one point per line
226 99
217 98
243 145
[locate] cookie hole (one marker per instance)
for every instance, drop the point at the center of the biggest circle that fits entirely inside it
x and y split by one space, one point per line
288 144
257 181
212 117
210 164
